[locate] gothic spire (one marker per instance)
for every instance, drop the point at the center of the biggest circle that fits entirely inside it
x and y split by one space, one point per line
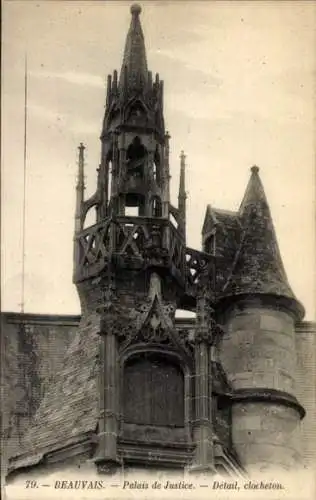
254 193
182 194
134 72
80 188
258 266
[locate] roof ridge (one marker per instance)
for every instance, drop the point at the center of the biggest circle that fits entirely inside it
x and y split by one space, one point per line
226 211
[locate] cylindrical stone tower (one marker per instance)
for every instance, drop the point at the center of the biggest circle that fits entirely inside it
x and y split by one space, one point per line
258 313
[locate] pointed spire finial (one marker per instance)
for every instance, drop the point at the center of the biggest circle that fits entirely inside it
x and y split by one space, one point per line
81 148
80 189
254 169
80 180
134 65
135 9
254 193
182 195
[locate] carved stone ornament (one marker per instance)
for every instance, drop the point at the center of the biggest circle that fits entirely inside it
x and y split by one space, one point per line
207 329
154 321
108 467
153 252
186 338
203 336
114 318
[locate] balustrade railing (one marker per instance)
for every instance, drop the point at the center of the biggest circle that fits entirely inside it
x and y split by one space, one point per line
138 238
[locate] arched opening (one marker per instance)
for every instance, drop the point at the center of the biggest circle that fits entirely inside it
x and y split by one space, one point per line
156 167
136 113
185 313
109 179
156 207
155 171
153 391
173 221
135 156
210 244
134 204
90 218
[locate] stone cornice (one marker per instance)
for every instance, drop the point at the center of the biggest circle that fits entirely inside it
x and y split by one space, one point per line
272 396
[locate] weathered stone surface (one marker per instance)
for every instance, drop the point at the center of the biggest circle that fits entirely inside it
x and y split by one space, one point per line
305 343
258 352
126 385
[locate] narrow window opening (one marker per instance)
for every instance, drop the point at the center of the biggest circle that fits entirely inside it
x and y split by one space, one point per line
173 220
212 244
134 205
157 209
132 211
157 166
135 157
109 179
90 218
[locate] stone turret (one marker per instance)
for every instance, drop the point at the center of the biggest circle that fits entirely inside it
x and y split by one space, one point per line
137 390
134 389
259 311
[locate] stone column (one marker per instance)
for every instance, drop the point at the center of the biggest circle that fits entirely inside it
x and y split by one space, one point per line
122 167
150 180
203 433
165 174
115 166
106 456
210 403
202 422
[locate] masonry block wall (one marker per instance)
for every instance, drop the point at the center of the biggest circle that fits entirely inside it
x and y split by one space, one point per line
258 351
305 342
247 332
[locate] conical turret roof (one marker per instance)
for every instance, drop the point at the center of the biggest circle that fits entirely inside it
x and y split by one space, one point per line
258 266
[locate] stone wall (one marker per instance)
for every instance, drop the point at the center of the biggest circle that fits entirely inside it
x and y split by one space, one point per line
258 353
258 349
35 352
306 388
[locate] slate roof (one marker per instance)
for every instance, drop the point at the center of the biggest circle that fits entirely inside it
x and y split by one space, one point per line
227 225
227 221
230 223
69 407
258 266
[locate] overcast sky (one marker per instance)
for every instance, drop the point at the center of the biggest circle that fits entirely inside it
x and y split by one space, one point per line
239 90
